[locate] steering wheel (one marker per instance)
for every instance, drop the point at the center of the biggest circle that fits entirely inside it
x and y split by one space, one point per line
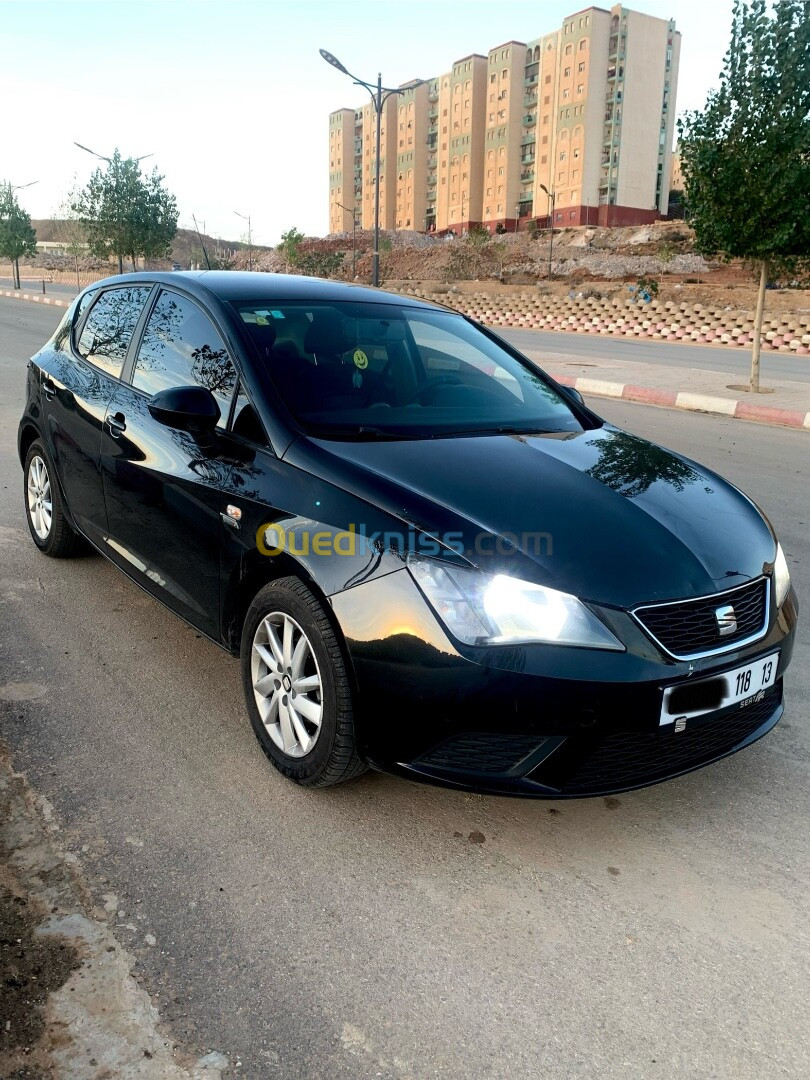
432 383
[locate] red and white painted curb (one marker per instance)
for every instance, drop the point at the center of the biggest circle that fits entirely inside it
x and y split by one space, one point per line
647 395
35 298
674 399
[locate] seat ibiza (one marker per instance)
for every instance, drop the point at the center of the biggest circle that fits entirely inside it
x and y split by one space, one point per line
431 558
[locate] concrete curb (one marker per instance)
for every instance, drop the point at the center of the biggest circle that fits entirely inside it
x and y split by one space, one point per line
15 294
647 395
673 399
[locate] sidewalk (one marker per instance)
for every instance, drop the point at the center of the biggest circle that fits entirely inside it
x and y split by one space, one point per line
695 389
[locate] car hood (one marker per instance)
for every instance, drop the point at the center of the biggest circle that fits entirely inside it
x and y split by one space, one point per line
602 514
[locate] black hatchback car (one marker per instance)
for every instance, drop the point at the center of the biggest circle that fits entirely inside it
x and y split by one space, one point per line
432 558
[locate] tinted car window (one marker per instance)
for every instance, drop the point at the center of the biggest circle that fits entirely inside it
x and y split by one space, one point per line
381 370
181 347
108 331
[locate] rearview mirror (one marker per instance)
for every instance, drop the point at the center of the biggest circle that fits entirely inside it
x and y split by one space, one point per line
189 408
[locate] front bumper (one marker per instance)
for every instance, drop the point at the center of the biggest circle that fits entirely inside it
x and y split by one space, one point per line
541 721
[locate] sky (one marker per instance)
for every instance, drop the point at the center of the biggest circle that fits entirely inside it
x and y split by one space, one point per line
232 98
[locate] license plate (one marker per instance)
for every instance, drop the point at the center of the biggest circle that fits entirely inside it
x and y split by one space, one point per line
743 685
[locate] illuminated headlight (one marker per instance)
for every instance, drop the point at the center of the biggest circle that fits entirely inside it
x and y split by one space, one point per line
781 576
495 609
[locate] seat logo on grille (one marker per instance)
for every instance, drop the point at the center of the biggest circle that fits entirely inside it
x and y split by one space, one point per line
726 620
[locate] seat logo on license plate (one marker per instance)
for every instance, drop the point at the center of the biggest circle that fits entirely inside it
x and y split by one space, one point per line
743 686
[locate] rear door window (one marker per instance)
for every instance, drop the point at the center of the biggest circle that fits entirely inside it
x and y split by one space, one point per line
182 347
108 331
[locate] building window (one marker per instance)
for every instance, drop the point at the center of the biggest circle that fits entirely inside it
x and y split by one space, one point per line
493 78
569 49
581 66
580 88
567 72
562 155
547 79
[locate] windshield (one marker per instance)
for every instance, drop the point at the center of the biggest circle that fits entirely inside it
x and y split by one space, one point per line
382 371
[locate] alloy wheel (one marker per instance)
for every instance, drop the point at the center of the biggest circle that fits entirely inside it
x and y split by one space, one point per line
287 684
40 506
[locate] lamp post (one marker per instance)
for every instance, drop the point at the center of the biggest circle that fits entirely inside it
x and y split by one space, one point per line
353 212
379 95
517 216
246 217
102 157
551 199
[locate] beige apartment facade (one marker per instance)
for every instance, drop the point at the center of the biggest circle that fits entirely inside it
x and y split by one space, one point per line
580 119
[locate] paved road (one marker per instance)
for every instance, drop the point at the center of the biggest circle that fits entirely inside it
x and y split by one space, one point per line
359 932
582 347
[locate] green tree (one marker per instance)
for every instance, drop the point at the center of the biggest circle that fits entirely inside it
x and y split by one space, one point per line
125 213
290 247
17 234
746 156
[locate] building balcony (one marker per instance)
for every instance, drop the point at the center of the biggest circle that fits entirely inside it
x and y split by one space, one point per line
529 119
526 176
433 114
433 95
529 101
530 80
527 159
528 139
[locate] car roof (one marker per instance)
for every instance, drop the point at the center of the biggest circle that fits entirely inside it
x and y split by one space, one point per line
236 285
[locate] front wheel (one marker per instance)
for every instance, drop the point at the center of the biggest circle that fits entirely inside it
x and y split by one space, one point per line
297 688
50 529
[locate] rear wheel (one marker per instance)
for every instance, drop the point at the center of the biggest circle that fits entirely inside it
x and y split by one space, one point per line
50 529
297 688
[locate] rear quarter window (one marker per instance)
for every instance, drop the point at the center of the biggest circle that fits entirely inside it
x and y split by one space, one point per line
106 334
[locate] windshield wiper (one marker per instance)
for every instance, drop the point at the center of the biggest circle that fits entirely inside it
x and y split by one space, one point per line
362 432
504 430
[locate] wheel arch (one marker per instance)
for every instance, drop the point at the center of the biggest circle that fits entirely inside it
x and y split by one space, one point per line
29 433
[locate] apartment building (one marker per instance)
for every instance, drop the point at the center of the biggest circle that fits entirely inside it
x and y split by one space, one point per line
580 119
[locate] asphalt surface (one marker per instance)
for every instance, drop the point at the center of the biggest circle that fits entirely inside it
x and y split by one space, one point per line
732 361
384 929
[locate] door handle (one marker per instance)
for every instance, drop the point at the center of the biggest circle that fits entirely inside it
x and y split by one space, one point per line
48 389
116 424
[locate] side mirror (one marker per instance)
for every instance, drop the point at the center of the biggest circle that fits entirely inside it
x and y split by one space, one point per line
189 408
575 394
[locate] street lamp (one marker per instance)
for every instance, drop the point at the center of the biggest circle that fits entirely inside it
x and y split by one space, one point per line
353 212
108 160
551 198
102 157
379 95
517 216
246 217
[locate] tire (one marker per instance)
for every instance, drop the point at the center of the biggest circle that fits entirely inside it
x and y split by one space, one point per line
44 510
306 729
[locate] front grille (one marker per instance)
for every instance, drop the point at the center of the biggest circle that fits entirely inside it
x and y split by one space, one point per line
631 759
480 753
689 628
